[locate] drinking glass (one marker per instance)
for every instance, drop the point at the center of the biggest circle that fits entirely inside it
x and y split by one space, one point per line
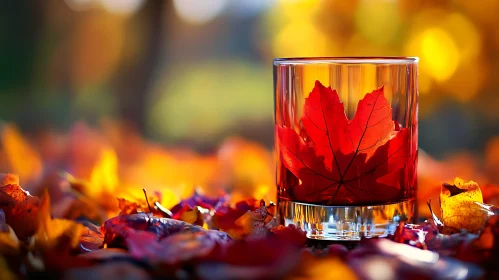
346 140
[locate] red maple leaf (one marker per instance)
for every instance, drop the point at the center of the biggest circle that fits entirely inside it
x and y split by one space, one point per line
342 161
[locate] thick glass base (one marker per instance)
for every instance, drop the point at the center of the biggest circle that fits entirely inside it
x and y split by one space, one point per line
345 223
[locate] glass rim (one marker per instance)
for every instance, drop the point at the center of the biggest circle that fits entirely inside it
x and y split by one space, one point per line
400 60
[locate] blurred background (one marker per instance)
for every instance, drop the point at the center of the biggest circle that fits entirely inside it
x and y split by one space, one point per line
195 73
187 71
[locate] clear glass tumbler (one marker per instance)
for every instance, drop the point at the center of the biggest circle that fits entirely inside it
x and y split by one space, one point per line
346 139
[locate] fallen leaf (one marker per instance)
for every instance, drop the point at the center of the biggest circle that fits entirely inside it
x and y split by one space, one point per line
9 179
459 208
116 229
55 234
127 207
410 234
342 161
248 217
292 234
268 258
173 249
91 238
196 216
198 199
225 216
21 210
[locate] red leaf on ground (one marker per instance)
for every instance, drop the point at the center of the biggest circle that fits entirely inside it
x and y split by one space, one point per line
248 217
291 234
21 210
127 207
194 200
254 252
173 249
410 234
267 258
92 238
9 179
344 161
226 216
117 229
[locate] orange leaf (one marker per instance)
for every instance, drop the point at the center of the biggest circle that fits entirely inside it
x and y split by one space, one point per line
60 233
21 209
127 207
9 179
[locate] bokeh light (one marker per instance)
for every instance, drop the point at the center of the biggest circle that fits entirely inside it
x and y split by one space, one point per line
438 52
199 12
122 6
301 38
199 71
380 27
449 45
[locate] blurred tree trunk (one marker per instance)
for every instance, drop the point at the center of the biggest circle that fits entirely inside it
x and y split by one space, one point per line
134 81
20 26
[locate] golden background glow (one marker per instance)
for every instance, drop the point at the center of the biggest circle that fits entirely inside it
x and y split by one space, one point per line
196 73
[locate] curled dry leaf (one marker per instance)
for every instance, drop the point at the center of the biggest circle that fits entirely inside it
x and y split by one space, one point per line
459 208
21 209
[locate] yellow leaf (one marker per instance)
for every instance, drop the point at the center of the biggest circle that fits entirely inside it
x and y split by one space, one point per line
459 208
104 177
189 216
56 232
